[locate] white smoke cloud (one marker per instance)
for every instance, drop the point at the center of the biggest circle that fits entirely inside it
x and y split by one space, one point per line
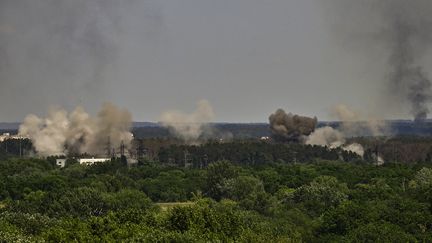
355 123
355 148
352 124
332 138
77 132
326 136
189 127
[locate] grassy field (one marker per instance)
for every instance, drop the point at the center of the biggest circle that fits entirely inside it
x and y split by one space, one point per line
169 205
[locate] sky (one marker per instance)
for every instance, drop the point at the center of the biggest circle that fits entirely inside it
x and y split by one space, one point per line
246 57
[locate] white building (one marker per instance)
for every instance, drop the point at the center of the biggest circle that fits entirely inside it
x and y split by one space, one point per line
85 161
92 161
61 162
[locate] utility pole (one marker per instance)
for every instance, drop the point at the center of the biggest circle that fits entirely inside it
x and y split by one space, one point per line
122 148
205 160
186 158
377 155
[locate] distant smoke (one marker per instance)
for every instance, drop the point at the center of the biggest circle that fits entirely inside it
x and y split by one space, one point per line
64 51
77 132
189 127
290 127
407 77
328 136
405 28
354 124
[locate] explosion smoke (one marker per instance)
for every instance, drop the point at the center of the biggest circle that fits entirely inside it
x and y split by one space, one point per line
289 127
293 128
62 133
351 126
328 136
354 124
189 127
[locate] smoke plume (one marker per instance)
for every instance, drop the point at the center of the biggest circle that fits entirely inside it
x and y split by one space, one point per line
290 127
293 128
354 124
77 132
189 127
62 52
405 29
332 138
408 77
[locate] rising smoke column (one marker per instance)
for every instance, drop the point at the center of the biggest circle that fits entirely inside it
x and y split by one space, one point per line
290 127
404 28
66 51
407 77
48 135
355 124
114 123
189 127
77 132
352 124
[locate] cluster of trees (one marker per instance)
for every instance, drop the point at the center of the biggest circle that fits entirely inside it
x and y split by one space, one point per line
324 201
250 152
407 149
16 147
400 149
218 130
253 151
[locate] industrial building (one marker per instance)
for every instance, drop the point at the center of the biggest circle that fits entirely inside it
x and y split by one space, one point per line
6 136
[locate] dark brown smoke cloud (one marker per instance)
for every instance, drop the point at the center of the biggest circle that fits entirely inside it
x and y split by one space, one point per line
290 127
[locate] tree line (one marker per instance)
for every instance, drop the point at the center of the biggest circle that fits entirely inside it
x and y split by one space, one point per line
317 201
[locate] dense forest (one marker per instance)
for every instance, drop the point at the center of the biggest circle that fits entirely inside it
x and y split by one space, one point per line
279 201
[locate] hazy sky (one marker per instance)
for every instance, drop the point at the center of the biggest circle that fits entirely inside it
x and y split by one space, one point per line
246 57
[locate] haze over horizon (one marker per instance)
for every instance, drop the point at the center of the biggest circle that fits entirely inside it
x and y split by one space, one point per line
246 57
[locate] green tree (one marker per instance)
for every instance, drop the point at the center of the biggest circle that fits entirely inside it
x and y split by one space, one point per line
322 194
218 174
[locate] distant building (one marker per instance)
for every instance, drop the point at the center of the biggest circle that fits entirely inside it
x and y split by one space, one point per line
92 161
6 136
61 162
85 161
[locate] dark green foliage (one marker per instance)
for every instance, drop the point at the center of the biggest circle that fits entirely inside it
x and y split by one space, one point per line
322 194
250 153
246 201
